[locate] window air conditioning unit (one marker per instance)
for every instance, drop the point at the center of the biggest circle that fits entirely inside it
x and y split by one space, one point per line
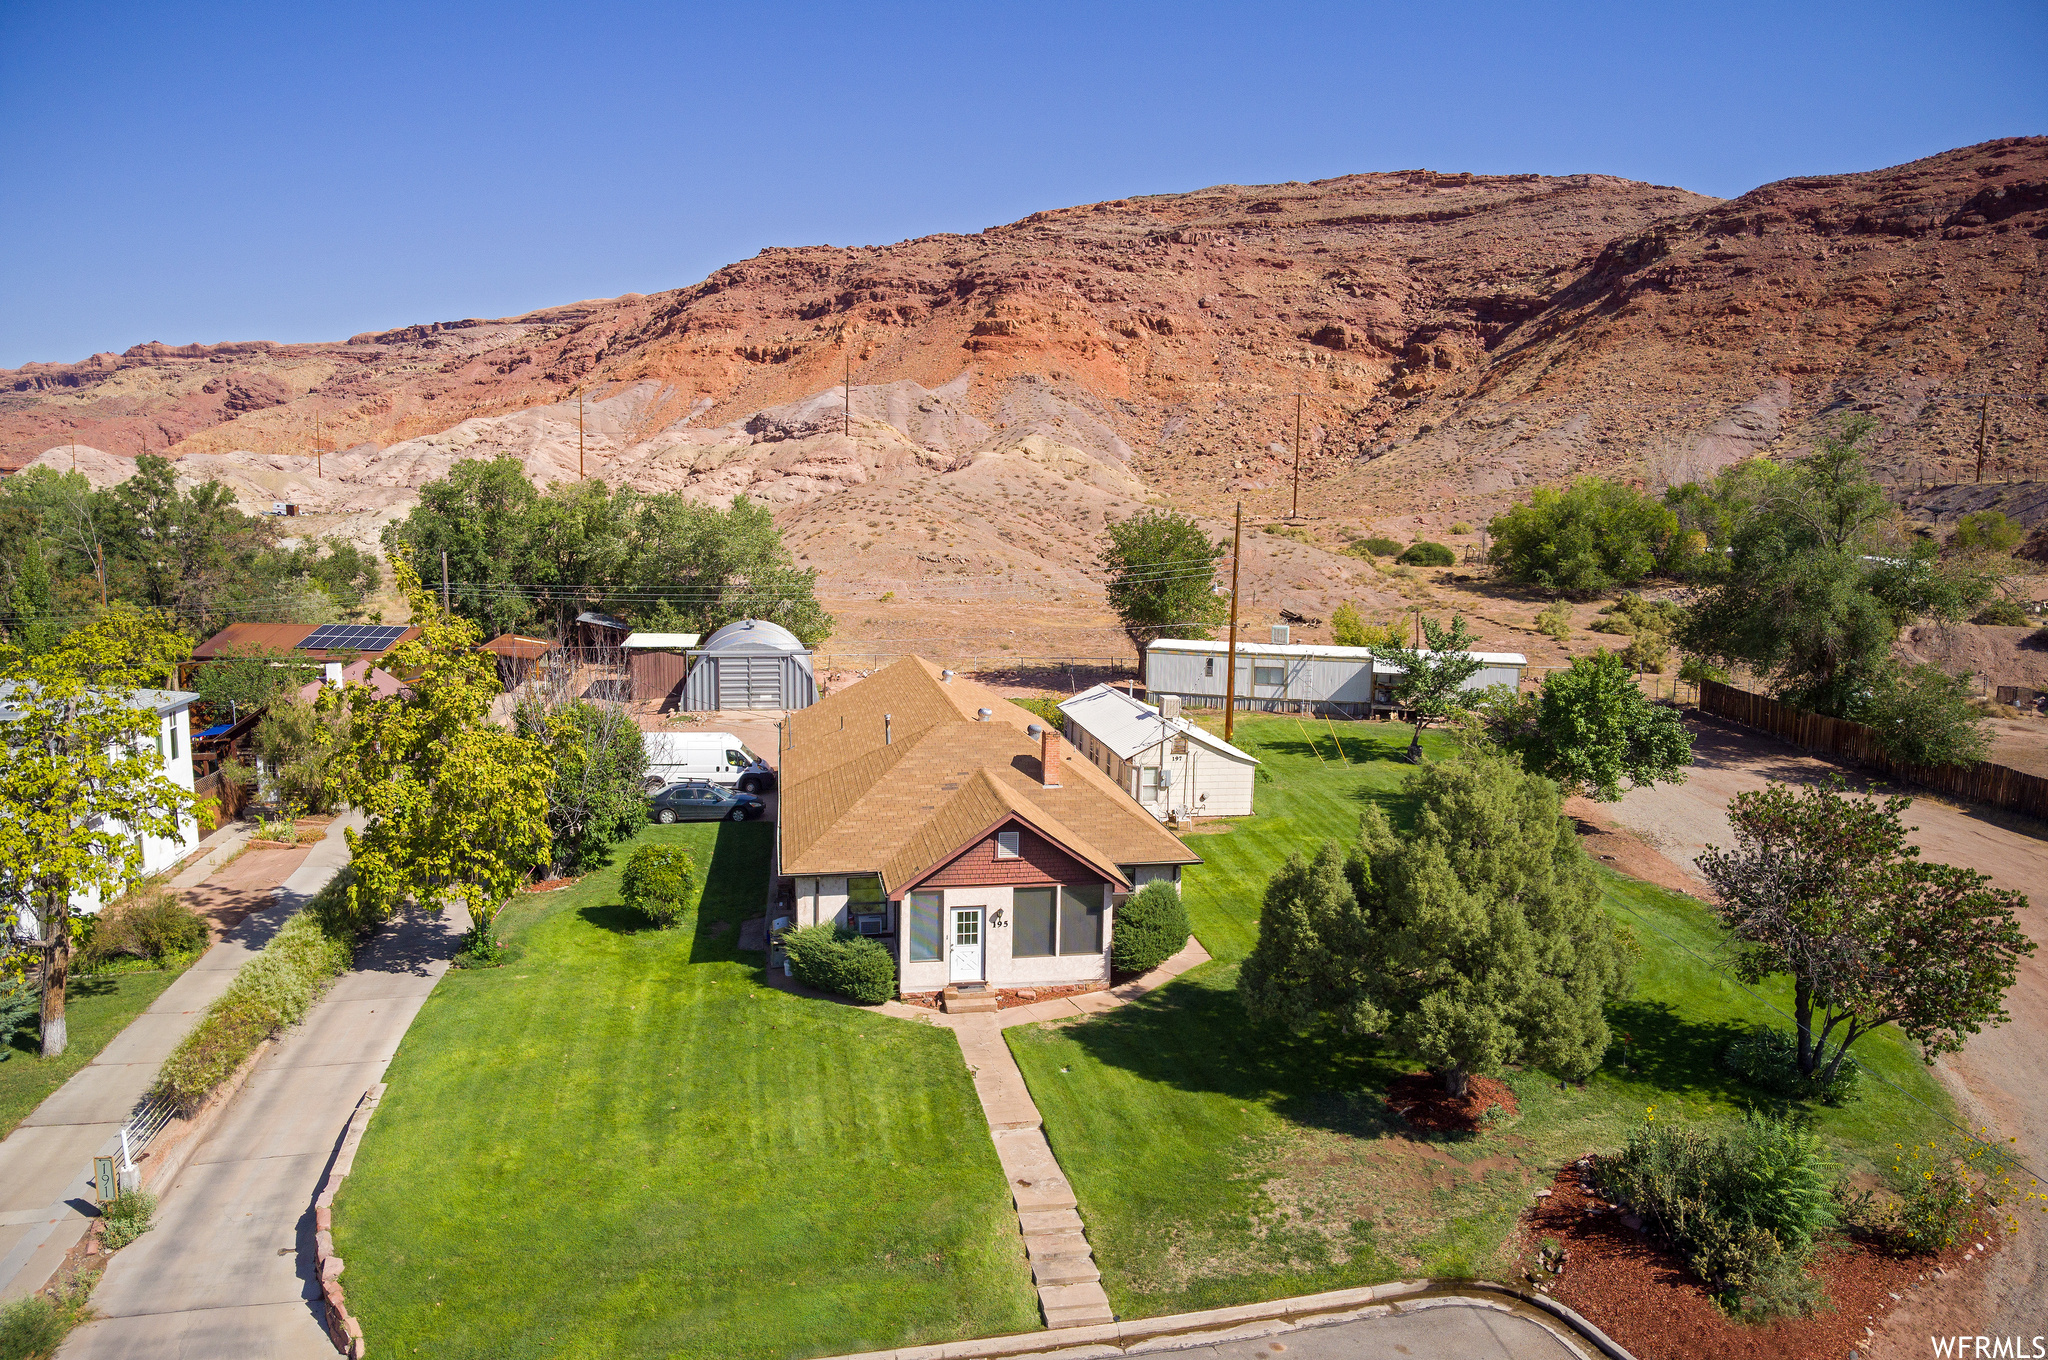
869 925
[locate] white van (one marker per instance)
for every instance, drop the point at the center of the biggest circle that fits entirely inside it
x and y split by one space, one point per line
715 757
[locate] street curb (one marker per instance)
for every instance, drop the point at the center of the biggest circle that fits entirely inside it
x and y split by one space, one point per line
342 1328
1184 1331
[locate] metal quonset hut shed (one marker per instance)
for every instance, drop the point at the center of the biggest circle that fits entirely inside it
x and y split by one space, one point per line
750 664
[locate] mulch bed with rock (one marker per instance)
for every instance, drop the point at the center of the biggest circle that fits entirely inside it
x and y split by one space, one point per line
1420 1098
1007 997
1640 1293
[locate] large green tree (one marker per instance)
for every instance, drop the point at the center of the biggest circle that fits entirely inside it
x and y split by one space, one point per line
1591 727
1816 576
82 780
597 761
1822 885
1593 536
699 568
481 515
1472 941
457 805
1432 683
1162 577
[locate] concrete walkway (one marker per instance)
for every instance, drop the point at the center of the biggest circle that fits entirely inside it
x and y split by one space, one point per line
227 1273
1062 1262
46 1163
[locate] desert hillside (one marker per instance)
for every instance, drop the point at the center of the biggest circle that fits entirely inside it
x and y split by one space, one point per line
1455 339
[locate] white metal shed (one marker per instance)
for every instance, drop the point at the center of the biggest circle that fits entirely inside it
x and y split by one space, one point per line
751 663
1169 765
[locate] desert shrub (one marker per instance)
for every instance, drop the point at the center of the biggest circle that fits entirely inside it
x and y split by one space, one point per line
1046 708
1591 537
127 1216
149 924
2002 613
1151 927
273 990
1697 669
1988 531
1427 554
1743 1207
1349 628
1293 531
33 1328
1768 1059
836 960
1461 527
1555 620
1648 651
660 883
1378 545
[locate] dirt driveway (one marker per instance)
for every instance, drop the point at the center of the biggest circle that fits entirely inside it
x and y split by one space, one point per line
2000 1078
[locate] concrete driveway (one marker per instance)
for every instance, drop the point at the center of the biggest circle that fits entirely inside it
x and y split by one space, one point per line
227 1273
1450 1330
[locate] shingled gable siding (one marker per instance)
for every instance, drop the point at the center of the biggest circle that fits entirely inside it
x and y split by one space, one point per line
1038 861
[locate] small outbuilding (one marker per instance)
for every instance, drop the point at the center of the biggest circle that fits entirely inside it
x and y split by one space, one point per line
1279 677
658 663
1170 766
518 658
751 663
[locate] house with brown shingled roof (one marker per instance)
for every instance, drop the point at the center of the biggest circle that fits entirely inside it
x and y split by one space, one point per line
928 811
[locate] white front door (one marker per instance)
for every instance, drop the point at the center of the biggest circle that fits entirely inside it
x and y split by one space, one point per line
965 955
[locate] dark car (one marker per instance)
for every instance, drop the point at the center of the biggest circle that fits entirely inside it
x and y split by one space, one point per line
700 802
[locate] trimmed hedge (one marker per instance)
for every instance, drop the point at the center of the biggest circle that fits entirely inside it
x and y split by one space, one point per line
660 883
1150 928
273 990
836 960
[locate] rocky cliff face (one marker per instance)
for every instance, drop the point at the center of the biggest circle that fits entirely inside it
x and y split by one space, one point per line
1454 339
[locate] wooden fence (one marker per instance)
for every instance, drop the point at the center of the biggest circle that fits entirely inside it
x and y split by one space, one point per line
232 798
1998 785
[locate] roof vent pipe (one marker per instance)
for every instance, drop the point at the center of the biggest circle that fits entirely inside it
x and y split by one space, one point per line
983 714
886 738
946 677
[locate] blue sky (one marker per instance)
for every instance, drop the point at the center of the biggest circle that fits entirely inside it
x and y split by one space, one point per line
302 172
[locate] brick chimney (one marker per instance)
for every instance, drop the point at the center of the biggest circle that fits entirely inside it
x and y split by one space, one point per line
1049 757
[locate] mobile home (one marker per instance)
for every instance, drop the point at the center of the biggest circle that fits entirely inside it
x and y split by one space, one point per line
1294 677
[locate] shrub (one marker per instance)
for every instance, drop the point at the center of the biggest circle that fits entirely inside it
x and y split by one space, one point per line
1461 527
1698 668
1293 531
836 960
1427 554
1768 1059
1743 1208
280 828
1986 531
1945 1192
1556 621
2002 613
33 1328
1648 651
1349 628
150 924
1377 546
127 1216
1150 928
660 883
1592 537
1046 708
1922 716
272 990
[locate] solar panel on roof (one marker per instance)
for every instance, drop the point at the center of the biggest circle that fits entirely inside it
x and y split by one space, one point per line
350 637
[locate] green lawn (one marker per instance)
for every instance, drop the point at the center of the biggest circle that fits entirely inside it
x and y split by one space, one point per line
1217 1164
96 1009
624 1144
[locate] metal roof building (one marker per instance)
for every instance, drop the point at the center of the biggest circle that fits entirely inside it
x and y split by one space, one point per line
1294 677
751 663
1169 765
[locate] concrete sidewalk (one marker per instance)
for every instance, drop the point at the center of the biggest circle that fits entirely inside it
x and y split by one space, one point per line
46 1163
228 1273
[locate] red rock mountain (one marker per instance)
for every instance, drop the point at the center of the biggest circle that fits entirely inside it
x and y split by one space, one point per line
1455 338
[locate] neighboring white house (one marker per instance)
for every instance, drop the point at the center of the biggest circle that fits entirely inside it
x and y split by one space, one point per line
1168 764
174 747
1285 677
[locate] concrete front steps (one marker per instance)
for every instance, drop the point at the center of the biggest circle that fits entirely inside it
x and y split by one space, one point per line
969 1001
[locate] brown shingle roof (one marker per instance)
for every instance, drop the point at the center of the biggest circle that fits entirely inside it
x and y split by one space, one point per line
851 802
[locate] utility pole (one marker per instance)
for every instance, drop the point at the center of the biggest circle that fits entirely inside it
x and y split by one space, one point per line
444 580
1295 513
1983 430
317 474
846 413
1230 680
579 444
